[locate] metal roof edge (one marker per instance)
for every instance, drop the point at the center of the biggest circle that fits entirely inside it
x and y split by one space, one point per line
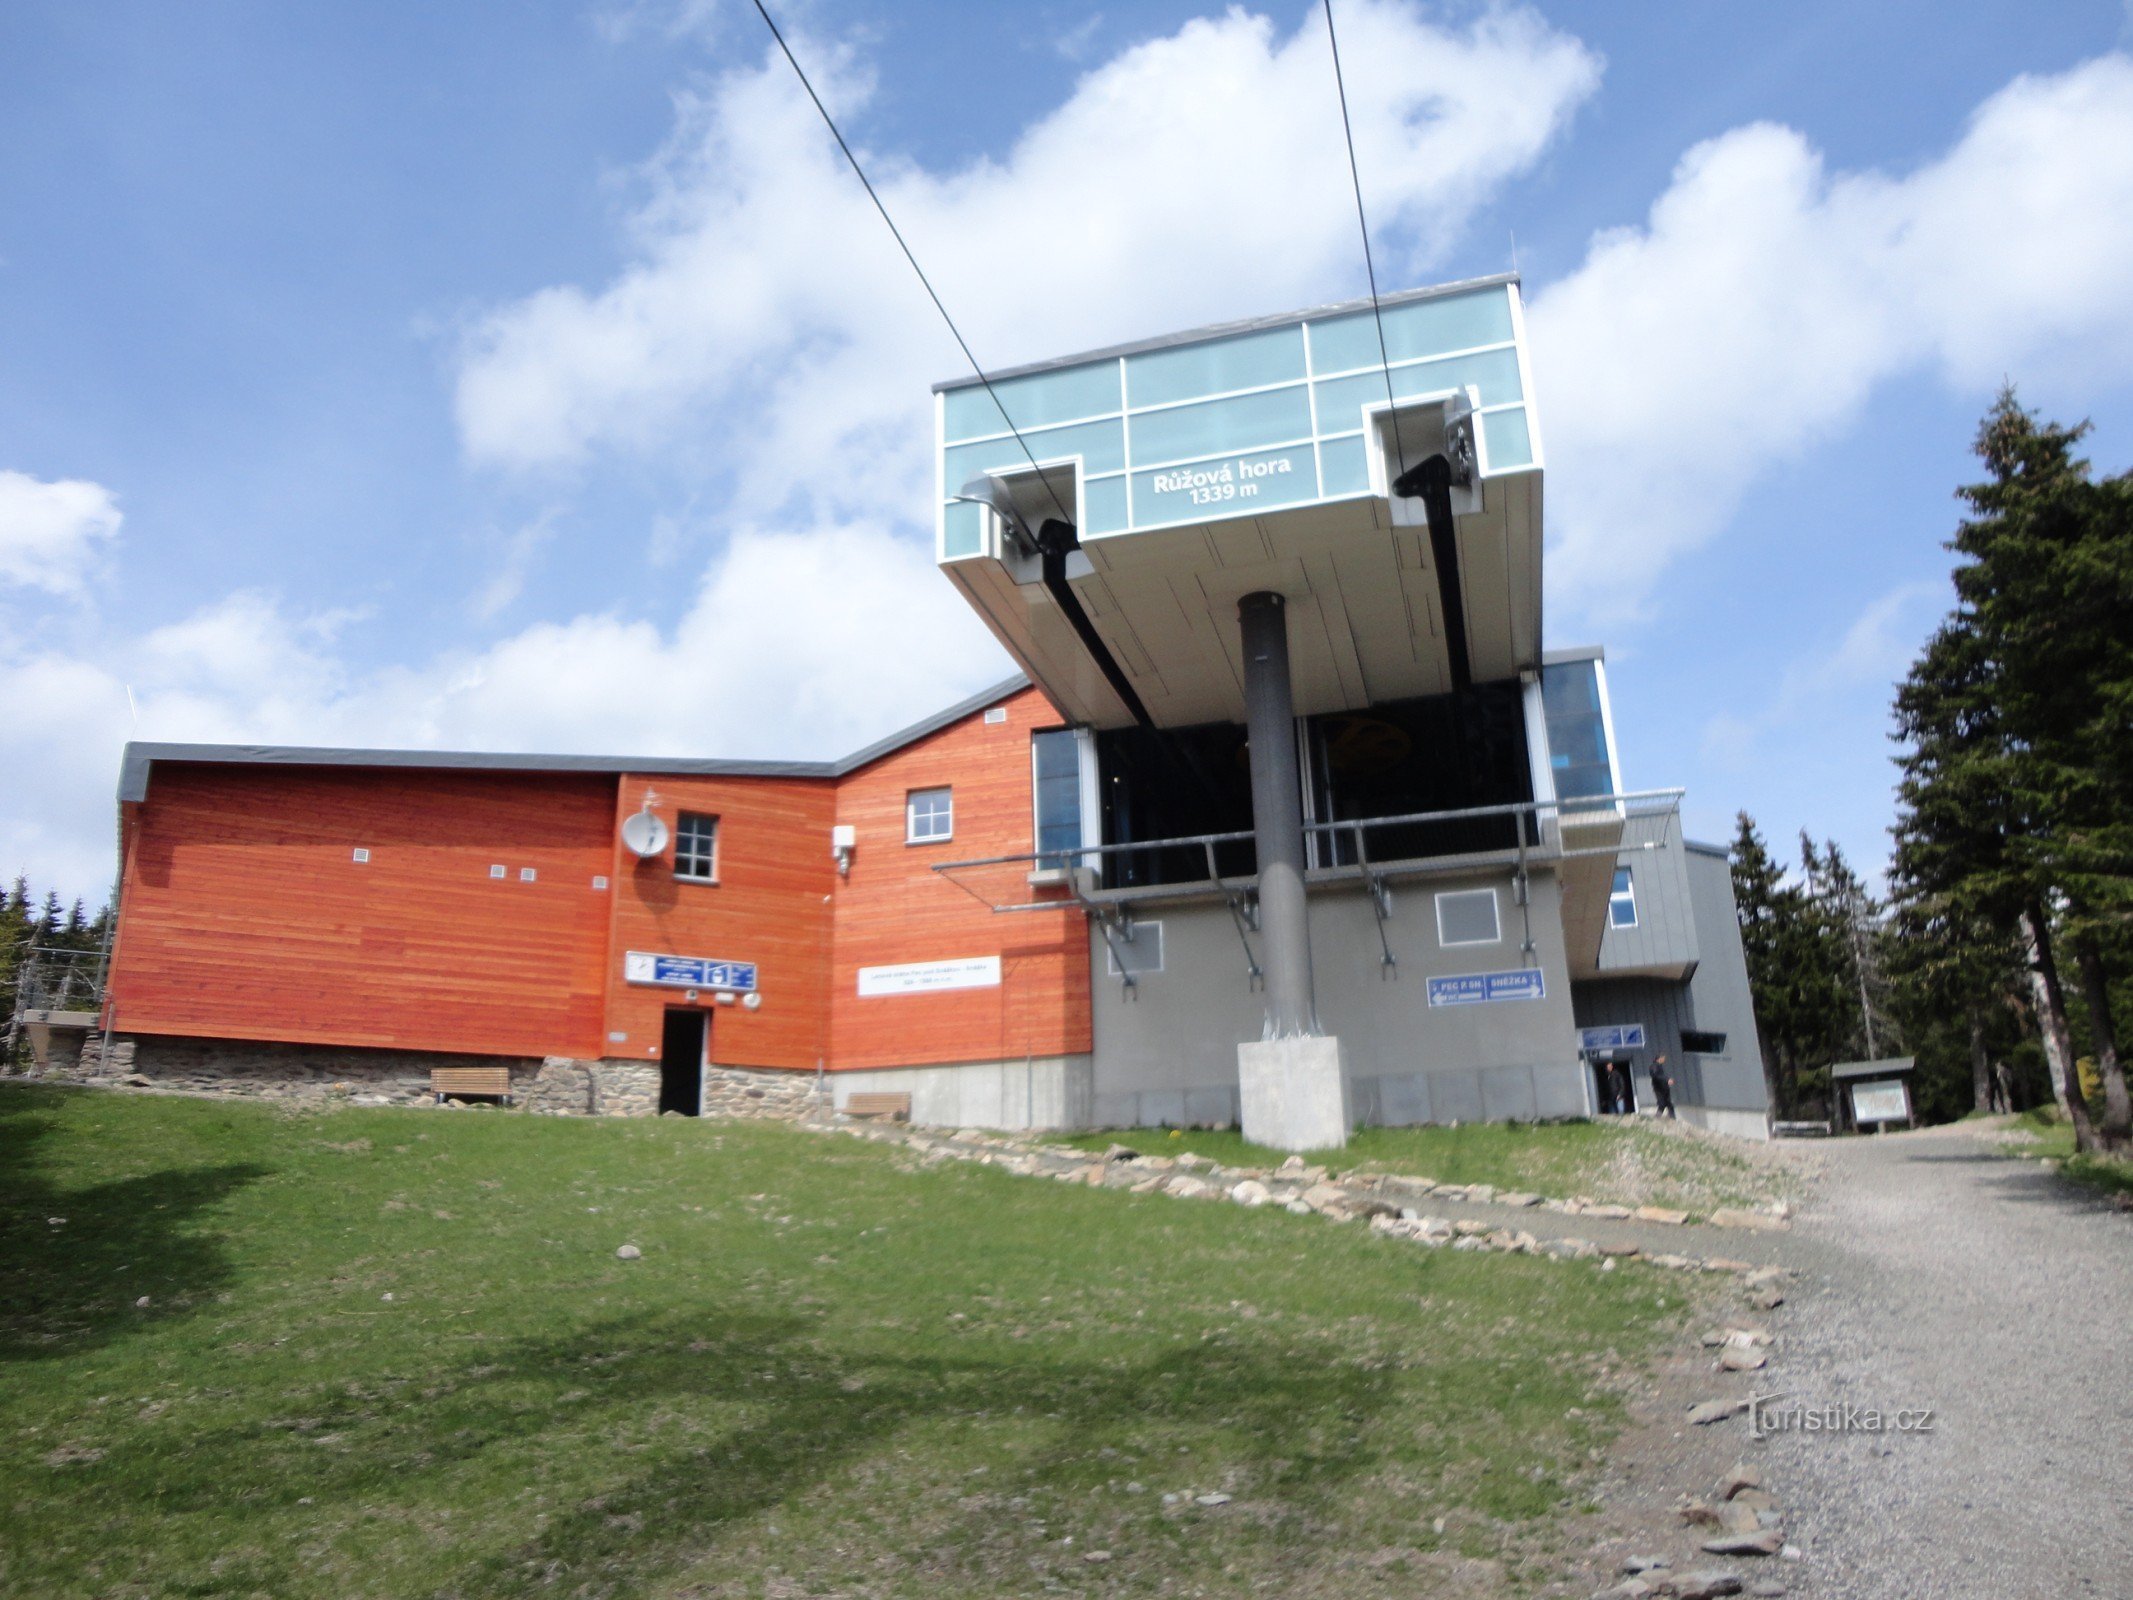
1574 652
980 701
1218 330
140 757
1703 849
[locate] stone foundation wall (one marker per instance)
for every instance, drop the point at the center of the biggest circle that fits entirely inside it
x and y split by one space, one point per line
326 1075
741 1092
329 1075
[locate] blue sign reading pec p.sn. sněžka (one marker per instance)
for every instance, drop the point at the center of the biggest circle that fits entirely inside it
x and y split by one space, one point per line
1488 988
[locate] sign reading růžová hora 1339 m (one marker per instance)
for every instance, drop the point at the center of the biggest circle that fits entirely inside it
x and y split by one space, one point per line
929 977
1226 486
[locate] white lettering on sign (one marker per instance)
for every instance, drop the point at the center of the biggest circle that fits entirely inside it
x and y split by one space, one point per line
929 977
1209 484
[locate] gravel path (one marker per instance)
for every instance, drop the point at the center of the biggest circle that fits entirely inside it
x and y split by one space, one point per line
1953 1277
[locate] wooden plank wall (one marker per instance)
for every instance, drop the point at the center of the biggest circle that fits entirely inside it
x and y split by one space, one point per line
771 906
894 909
245 915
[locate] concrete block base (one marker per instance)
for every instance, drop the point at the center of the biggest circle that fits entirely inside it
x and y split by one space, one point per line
1293 1093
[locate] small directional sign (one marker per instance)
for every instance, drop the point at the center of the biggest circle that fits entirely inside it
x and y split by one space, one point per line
1621 1036
1488 988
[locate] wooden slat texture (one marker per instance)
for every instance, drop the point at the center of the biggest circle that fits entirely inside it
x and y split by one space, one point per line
770 906
246 916
894 909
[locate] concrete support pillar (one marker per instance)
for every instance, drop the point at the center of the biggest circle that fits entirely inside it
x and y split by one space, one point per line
1277 817
1292 1089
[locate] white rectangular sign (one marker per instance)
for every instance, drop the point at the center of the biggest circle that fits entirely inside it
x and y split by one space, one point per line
930 977
1883 1100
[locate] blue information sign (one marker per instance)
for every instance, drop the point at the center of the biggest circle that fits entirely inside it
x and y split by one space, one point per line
1488 988
1622 1036
689 972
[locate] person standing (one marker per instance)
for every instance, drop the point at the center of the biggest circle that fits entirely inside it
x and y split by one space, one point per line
1662 1085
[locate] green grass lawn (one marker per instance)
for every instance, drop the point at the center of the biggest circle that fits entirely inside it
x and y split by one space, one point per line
394 1353
1617 1161
2055 1140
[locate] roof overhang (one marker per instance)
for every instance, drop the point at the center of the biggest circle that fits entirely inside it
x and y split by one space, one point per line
1253 457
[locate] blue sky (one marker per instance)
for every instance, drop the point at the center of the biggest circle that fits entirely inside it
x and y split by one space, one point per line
412 375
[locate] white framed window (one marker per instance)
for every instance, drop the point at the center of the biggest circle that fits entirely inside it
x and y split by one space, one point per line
1468 916
696 847
929 816
1622 901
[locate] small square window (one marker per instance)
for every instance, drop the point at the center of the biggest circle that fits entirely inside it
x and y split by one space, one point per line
599 880
361 855
929 815
696 848
1622 902
1468 916
499 870
527 874
996 716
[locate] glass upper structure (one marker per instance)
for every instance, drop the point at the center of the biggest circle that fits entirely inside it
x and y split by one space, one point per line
1241 420
1577 729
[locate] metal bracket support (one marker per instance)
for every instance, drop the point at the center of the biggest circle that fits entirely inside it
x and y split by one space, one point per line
1244 912
1113 925
1380 904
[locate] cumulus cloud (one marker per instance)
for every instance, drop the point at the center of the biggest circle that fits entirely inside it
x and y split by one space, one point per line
50 532
1764 300
800 645
1189 178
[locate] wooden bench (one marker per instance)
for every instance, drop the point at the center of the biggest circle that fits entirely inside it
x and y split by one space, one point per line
895 1107
462 1081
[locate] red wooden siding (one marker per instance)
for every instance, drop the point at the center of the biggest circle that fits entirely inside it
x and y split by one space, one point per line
246 916
769 906
894 909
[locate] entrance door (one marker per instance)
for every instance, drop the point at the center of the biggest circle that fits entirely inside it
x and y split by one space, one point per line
681 1060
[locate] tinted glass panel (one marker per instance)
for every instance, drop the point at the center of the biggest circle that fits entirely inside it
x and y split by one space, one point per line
1056 763
1036 401
1577 735
1245 362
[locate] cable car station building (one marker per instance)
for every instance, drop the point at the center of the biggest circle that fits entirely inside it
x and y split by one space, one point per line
1289 819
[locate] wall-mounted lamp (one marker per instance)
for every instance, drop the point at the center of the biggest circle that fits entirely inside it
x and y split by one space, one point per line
844 839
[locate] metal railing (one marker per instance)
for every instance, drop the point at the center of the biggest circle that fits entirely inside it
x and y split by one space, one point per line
1537 834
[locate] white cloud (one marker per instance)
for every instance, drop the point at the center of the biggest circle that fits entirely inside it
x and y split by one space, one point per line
1187 179
50 532
1753 315
1872 655
799 645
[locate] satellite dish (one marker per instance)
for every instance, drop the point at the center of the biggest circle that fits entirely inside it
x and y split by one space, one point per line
645 834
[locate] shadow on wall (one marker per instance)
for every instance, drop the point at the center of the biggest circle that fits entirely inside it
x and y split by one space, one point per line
72 1285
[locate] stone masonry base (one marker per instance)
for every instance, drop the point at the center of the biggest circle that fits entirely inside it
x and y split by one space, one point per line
330 1075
